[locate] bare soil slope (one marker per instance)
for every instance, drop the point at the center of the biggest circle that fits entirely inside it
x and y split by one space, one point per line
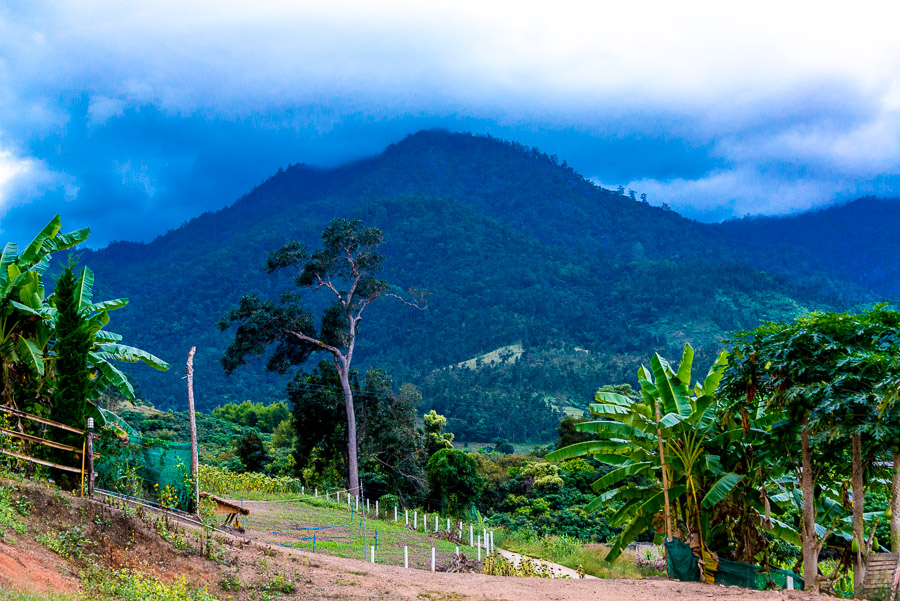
243 567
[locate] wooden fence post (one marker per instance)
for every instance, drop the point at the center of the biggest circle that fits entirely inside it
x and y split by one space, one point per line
89 452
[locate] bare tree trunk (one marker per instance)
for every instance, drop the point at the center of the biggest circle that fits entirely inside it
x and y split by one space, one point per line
895 506
353 466
859 496
195 459
808 532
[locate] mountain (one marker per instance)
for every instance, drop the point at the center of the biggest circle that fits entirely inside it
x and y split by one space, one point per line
514 249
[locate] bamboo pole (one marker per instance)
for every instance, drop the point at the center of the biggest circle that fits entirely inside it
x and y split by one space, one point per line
39 420
195 460
64 468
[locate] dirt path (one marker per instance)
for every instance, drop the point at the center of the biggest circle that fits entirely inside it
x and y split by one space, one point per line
330 577
557 569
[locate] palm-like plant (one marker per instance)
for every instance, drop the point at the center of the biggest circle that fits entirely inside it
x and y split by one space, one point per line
28 318
24 333
671 416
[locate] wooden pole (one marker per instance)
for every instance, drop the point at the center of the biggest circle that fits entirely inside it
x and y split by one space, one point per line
665 476
89 455
195 459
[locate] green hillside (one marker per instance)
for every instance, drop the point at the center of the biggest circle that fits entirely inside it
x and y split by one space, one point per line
514 249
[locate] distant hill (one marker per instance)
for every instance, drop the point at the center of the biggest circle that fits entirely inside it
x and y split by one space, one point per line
515 249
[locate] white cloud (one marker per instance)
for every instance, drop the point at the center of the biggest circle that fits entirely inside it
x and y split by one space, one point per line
12 171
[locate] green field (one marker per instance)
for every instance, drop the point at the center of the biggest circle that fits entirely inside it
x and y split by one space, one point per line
358 532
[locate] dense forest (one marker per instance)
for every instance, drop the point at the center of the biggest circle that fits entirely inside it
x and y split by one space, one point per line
513 248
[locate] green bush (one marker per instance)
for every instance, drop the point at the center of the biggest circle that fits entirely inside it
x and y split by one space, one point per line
454 479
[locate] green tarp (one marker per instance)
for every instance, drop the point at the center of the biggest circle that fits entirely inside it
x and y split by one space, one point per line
682 565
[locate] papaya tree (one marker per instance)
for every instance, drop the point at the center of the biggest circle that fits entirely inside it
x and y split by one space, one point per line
346 268
825 370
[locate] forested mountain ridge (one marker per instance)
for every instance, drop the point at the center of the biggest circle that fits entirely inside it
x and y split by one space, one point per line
514 248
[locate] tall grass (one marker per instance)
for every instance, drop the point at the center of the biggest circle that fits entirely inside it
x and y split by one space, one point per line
572 553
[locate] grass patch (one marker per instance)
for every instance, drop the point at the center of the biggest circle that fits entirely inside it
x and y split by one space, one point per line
347 535
572 554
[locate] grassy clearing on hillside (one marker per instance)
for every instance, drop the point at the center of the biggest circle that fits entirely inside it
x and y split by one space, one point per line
267 518
571 553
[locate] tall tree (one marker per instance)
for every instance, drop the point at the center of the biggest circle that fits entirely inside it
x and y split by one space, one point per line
347 268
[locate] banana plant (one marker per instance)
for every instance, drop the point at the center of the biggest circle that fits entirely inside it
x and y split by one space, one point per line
28 318
24 330
630 432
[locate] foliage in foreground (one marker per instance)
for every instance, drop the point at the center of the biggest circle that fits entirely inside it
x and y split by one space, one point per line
220 481
570 552
129 585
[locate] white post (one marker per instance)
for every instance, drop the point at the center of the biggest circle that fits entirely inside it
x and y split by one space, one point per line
405 556
460 532
425 523
415 520
376 509
406 513
492 541
367 506
302 491
790 583
457 551
395 513
357 502
432 559
471 540
373 553
435 523
317 493
484 539
448 524
479 547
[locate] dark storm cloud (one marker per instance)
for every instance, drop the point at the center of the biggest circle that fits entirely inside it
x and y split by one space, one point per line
133 120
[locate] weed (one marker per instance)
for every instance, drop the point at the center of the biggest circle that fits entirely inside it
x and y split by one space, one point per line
129 585
230 582
69 543
8 510
279 584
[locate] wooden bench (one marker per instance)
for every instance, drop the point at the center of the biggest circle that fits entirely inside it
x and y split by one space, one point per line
229 509
882 577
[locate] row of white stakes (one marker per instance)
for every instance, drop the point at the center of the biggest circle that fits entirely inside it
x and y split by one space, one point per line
489 548
487 536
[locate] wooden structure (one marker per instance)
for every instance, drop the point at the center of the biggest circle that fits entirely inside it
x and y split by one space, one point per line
882 577
86 457
229 509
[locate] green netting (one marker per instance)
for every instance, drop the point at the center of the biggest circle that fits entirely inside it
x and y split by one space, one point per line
680 561
737 573
132 465
682 565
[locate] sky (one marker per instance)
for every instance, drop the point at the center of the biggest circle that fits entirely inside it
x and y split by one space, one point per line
132 118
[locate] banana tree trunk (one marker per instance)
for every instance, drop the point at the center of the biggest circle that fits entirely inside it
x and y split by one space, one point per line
895 506
665 477
809 539
859 534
